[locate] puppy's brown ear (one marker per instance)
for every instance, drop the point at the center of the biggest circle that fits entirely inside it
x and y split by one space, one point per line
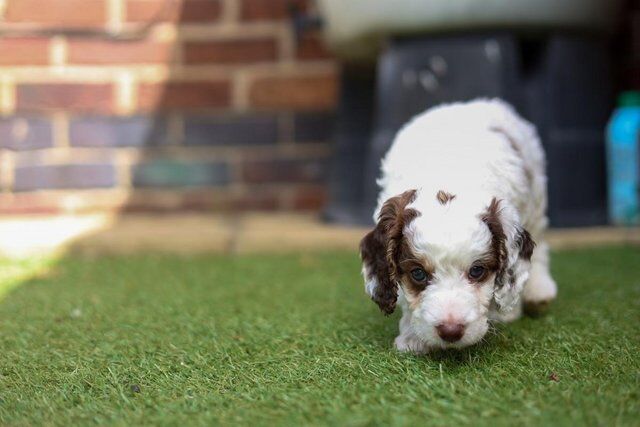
511 248
381 247
525 244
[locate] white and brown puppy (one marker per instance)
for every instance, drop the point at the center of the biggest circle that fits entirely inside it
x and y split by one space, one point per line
462 201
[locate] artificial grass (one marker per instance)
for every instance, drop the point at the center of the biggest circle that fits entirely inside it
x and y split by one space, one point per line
264 340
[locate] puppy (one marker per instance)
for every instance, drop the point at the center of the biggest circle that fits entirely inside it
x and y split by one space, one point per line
460 216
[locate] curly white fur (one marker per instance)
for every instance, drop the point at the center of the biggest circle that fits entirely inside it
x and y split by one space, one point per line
477 151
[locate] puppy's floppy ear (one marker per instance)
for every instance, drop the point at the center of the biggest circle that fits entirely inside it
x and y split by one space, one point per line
381 247
511 247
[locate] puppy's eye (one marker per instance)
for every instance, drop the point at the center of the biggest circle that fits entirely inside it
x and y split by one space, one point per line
419 275
477 272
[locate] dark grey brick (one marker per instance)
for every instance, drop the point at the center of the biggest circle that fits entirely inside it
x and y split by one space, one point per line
25 133
170 173
231 130
29 178
107 131
313 127
285 171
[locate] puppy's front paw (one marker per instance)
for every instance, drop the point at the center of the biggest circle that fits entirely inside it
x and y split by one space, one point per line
509 316
540 290
409 344
536 308
540 287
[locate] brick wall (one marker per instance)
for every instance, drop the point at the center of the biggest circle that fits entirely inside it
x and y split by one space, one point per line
161 104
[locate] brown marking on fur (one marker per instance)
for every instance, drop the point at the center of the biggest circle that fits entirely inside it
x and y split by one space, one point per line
408 262
413 289
444 197
526 244
383 247
512 142
498 254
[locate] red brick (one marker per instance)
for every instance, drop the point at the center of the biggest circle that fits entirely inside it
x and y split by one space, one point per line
57 201
214 94
173 10
257 199
57 13
24 51
118 52
309 198
230 51
284 171
160 201
268 10
310 47
164 200
307 92
202 200
28 203
84 98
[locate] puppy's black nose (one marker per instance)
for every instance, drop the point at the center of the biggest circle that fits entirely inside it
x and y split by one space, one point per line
450 332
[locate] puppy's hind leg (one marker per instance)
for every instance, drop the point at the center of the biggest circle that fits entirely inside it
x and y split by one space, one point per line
540 289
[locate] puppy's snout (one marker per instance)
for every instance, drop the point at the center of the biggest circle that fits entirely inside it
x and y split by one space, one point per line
450 332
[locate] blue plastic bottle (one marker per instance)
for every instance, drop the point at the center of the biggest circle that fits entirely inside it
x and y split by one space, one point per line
623 158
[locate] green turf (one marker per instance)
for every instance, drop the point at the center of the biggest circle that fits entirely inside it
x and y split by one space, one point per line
292 340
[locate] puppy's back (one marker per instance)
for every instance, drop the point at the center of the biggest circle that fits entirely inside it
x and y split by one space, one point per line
465 148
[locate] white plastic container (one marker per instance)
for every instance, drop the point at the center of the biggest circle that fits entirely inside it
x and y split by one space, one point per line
356 28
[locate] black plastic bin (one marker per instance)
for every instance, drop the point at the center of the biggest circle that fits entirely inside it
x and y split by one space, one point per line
561 83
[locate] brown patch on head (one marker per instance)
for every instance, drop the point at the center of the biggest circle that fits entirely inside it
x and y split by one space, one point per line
383 248
444 197
498 254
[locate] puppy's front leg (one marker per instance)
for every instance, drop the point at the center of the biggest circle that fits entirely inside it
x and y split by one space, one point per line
506 316
407 341
540 289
